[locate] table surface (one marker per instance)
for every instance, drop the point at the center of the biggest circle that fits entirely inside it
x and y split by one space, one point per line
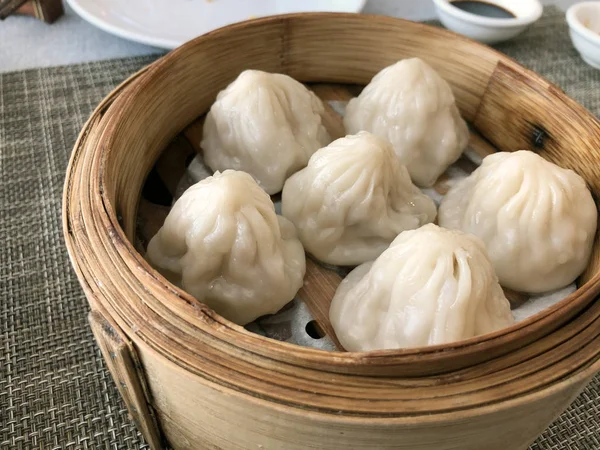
55 391
28 43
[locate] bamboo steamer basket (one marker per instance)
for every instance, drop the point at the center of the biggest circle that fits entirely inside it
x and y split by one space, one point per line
195 380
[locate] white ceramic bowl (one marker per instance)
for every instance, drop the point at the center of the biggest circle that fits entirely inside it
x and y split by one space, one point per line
486 29
584 28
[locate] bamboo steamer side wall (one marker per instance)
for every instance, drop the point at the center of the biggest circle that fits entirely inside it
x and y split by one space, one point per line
194 413
523 112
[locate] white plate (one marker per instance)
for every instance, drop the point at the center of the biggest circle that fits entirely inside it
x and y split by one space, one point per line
170 23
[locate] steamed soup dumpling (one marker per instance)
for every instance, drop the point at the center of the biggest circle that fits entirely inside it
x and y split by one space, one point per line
410 105
266 124
431 286
223 243
353 199
536 219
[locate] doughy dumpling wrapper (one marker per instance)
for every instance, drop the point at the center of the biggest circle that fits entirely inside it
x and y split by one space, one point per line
410 105
536 219
223 243
431 286
266 124
353 199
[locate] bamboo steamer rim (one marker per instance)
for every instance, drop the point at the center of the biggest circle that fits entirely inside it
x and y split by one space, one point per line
162 65
187 312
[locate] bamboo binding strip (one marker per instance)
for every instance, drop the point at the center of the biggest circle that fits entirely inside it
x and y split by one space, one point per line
205 375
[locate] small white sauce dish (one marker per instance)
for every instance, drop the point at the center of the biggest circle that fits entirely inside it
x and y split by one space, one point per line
584 28
487 29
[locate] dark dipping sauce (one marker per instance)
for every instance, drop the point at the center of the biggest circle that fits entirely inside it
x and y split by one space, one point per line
483 9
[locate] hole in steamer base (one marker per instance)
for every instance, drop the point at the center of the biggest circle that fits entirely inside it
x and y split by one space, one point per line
314 330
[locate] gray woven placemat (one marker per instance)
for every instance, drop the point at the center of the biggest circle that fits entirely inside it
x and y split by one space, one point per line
55 391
